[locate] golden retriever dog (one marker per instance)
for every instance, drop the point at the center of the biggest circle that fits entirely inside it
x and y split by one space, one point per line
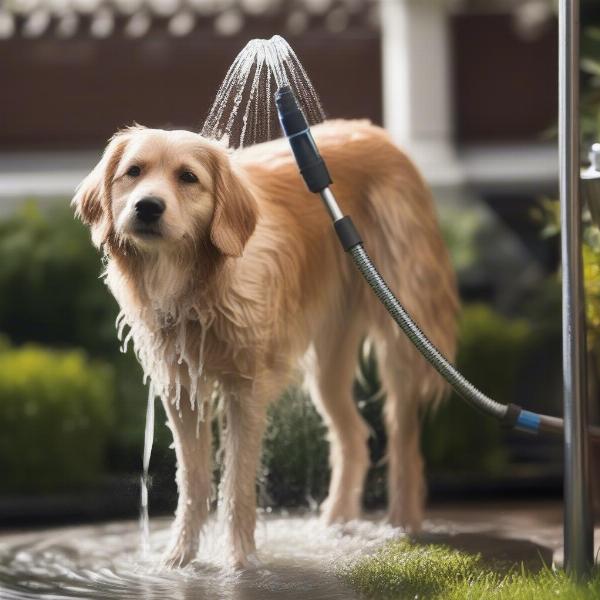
229 277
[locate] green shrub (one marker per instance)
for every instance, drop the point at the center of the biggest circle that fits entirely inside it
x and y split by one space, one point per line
294 452
56 414
49 279
51 293
492 349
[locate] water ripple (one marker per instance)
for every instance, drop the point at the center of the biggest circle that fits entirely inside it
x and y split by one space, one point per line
298 559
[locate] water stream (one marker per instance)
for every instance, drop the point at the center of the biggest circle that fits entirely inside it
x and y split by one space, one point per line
243 112
145 480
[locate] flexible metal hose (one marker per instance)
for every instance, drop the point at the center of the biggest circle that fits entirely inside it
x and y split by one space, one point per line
511 415
465 388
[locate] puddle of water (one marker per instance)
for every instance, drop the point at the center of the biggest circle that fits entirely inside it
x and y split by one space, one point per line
298 559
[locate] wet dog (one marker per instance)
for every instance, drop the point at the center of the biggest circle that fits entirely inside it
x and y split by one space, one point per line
228 273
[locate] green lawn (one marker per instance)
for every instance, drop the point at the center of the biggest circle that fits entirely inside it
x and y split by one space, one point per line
403 570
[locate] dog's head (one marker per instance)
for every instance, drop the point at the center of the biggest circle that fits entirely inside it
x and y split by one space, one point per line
157 190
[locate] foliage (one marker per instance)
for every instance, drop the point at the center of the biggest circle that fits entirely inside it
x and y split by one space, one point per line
591 270
56 414
590 99
462 230
548 213
49 275
491 350
295 452
53 295
403 569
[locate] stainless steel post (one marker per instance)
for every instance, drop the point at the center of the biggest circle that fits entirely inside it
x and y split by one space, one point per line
578 528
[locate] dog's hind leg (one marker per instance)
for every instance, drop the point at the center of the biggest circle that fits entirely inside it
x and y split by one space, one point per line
193 448
406 483
330 380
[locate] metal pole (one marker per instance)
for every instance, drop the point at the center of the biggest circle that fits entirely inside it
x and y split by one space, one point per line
578 529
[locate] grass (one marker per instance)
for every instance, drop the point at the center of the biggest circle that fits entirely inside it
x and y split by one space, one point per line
403 569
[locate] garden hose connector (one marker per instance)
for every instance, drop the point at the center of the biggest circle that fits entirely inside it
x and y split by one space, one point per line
517 418
295 127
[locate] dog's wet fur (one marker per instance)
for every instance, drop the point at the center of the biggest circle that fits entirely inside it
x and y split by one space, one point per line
227 256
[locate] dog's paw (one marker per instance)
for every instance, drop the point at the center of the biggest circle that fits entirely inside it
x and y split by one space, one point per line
241 551
341 511
409 519
179 553
242 562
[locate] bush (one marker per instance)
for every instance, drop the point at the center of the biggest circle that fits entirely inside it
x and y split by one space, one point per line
56 413
52 294
492 349
294 452
49 277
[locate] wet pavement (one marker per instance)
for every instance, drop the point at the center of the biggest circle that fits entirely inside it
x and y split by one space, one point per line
528 532
298 556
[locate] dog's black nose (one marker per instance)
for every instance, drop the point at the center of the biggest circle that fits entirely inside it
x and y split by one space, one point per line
149 209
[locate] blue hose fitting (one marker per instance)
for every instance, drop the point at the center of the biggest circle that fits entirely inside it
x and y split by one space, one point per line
295 126
523 420
528 421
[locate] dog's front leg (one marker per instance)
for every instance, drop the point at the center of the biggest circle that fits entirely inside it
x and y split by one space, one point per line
193 449
245 416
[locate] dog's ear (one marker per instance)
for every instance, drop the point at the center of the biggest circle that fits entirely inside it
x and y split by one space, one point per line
236 211
92 197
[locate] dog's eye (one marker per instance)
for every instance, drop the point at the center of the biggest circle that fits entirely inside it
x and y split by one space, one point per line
187 177
134 171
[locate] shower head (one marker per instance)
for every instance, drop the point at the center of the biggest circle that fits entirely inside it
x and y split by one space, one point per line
295 127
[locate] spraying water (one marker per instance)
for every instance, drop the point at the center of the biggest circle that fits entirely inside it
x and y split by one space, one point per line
243 112
148 442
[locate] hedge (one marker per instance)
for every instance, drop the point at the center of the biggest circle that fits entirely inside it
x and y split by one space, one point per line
56 416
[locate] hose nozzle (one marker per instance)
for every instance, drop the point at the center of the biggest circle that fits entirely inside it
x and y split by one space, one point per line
296 129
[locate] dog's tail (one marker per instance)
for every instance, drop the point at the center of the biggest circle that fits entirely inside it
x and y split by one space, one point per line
406 244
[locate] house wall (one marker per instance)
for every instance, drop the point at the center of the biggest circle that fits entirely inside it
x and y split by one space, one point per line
69 94
505 83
